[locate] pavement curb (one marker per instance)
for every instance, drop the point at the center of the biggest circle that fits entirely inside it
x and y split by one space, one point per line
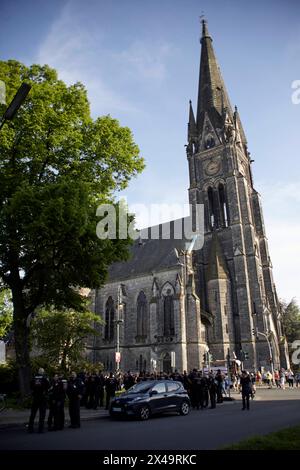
24 424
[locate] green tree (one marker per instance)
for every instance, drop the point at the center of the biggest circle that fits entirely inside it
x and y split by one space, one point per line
6 312
61 335
291 320
57 165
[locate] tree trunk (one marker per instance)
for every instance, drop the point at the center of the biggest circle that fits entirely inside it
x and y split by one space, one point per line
21 337
63 363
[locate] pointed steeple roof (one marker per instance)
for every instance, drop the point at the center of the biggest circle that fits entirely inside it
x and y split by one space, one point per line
217 268
192 122
212 94
239 126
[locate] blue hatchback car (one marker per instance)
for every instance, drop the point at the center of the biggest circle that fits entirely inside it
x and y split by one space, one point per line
151 397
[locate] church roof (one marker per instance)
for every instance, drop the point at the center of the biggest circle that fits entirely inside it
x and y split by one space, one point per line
148 255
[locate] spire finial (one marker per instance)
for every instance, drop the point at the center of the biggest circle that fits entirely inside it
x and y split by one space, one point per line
205 32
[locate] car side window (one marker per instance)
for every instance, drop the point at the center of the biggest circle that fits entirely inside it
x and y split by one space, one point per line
173 386
159 388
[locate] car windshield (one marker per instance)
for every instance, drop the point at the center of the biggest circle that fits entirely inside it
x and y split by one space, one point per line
140 388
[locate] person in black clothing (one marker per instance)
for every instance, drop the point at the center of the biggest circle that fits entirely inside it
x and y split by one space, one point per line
212 389
193 387
245 385
91 392
185 381
100 390
198 390
39 387
219 379
74 391
204 392
57 396
110 388
128 380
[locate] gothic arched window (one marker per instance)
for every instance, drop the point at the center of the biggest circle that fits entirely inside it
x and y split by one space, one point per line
142 316
109 319
223 205
169 328
211 208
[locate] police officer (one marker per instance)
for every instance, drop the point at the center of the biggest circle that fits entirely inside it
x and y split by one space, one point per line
110 388
74 392
100 390
39 388
57 396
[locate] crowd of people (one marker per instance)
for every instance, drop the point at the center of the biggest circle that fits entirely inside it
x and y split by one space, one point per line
94 390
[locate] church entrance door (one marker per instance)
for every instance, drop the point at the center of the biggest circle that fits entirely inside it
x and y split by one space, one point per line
167 363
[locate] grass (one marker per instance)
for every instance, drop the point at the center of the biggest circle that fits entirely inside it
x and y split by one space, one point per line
287 439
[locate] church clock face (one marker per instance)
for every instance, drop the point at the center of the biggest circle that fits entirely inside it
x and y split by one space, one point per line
212 168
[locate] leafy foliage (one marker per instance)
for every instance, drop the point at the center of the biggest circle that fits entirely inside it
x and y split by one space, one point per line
291 321
61 336
6 312
57 165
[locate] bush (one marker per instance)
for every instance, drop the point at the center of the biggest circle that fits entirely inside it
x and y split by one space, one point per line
41 361
9 378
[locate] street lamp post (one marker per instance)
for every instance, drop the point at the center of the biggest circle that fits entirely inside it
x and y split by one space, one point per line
270 351
119 321
15 104
228 371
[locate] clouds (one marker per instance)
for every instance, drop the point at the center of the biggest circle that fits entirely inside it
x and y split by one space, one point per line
139 63
70 48
147 62
86 51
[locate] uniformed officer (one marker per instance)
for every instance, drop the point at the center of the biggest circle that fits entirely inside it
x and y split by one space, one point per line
57 395
39 388
74 392
110 388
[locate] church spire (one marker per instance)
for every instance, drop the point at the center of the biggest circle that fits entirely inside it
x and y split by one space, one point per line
212 94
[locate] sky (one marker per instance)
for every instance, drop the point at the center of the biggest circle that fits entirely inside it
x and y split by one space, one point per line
139 61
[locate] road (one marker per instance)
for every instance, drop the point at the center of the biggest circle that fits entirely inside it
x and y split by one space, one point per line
207 429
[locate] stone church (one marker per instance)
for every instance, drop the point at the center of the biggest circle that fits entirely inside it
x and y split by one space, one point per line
168 304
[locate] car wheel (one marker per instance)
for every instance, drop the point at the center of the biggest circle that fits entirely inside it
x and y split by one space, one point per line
144 413
184 408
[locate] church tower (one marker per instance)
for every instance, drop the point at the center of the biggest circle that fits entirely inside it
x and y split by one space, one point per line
234 278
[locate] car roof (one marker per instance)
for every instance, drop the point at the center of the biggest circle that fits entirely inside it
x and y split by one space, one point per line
153 382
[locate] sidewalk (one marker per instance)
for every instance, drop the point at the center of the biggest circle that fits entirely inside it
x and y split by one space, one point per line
12 418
